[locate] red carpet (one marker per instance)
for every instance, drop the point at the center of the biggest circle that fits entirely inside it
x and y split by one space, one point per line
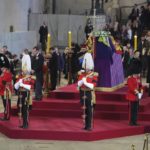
59 117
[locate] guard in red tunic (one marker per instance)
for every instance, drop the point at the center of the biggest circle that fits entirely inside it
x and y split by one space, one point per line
5 86
24 84
134 94
87 80
6 91
135 91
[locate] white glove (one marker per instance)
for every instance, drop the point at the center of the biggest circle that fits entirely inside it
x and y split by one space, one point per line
84 80
26 86
21 84
89 85
80 83
20 81
139 95
17 85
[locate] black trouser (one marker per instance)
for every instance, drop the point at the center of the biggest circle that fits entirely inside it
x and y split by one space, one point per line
7 108
53 79
43 45
23 108
149 90
38 85
86 98
133 112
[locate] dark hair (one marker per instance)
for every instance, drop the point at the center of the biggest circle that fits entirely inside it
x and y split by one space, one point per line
26 51
5 46
35 47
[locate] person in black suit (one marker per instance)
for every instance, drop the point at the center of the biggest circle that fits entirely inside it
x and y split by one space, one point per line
88 28
53 67
143 54
37 69
43 31
135 63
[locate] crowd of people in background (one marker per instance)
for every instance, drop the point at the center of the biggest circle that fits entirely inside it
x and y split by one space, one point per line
68 62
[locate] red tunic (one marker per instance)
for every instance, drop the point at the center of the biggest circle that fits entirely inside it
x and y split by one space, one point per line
133 84
91 77
28 79
5 77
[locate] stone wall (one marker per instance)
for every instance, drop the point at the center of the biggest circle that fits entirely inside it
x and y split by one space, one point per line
17 41
121 7
14 12
76 6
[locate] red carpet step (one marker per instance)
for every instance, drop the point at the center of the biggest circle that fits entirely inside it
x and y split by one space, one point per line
59 117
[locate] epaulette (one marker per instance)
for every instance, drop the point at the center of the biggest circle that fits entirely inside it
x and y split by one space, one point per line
17 76
33 77
80 72
95 74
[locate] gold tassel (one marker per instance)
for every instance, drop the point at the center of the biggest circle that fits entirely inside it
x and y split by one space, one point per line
9 94
30 99
93 97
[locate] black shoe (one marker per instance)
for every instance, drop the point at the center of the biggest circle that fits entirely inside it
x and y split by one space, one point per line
20 126
133 124
39 98
136 124
24 126
88 128
4 119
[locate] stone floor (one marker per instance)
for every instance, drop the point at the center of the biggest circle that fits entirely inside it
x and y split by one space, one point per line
111 144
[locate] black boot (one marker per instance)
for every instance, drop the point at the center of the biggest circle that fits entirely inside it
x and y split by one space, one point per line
4 119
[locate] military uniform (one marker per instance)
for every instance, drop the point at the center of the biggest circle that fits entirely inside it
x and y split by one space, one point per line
87 80
24 84
134 88
5 85
6 92
87 96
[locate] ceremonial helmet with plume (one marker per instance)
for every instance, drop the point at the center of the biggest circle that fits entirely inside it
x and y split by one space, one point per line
88 63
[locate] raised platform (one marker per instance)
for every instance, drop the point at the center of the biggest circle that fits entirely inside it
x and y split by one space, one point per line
59 117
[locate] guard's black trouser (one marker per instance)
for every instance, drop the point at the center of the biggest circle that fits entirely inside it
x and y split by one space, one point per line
86 98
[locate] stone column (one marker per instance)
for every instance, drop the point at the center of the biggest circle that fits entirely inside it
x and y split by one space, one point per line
115 6
53 6
92 7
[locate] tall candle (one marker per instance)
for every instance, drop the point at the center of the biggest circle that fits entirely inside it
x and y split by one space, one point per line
48 43
135 42
69 39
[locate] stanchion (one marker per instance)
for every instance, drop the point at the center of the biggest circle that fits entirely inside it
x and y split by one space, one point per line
132 147
145 144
